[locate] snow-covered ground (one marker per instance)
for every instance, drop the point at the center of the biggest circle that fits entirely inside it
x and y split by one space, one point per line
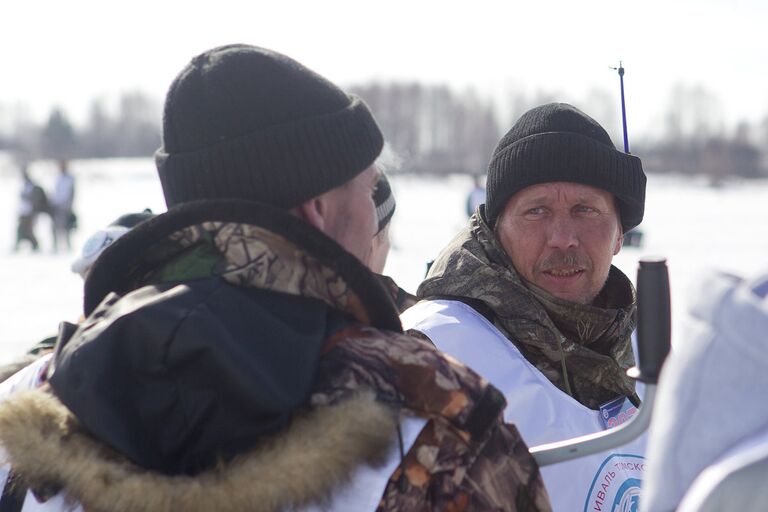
695 226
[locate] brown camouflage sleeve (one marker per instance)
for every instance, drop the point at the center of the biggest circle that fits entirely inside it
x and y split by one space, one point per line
466 458
444 472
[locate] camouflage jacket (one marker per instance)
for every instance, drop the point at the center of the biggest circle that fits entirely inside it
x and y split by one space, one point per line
367 372
403 299
589 343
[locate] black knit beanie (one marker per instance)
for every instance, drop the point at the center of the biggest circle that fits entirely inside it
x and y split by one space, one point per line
558 142
248 123
385 202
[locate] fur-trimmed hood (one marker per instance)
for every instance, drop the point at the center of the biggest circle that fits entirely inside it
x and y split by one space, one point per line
213 319
49 451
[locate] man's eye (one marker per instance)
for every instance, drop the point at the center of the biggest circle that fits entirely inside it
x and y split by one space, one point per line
588 210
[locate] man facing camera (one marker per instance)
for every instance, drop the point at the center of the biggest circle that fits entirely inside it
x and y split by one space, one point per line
527 296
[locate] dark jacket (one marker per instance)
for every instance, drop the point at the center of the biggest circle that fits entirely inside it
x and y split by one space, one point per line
234 358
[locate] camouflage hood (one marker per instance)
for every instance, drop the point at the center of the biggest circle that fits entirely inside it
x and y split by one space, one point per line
221 303
583 349
247 245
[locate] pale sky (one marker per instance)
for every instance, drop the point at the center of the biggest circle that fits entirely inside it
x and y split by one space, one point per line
68 52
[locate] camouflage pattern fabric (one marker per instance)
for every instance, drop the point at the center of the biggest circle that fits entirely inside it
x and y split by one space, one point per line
403 300
592 342
246 255
254 256
465 458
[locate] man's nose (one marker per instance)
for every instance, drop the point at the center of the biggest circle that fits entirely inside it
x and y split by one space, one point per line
562 233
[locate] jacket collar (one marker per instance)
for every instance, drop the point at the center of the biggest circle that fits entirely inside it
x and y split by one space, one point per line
247 244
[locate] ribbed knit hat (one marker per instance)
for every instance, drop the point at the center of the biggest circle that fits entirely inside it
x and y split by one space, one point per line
385 202
558 142
248 123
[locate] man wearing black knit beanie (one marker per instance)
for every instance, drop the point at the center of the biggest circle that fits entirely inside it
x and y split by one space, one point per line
527 296
238 354
380 245
384 200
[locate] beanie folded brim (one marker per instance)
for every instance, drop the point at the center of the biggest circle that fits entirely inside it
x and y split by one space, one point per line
385 211
569 157
283 165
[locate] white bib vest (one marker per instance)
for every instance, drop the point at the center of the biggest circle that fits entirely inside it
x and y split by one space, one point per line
27 379
542 413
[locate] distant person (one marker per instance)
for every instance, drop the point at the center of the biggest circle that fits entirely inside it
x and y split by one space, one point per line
633 238
238 354
527 296
32 202
92 248
476 196
62 201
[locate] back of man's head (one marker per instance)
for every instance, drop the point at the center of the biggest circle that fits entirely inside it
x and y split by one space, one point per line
243 122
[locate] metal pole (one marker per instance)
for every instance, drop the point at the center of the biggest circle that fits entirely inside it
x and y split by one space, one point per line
623 109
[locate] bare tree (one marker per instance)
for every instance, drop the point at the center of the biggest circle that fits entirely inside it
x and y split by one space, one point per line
58 138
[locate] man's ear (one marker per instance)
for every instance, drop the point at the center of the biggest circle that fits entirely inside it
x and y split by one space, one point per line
314 212
619 242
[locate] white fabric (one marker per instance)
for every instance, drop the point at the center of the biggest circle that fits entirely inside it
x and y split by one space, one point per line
63 192
735 482
26 207
366 486
94 246
30 377
541 412
362 493
711 390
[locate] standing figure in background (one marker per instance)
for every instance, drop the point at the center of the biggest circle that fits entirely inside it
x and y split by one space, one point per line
92 249
62 215
32 202
476 197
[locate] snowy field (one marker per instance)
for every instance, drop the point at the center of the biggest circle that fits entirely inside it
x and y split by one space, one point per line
695 226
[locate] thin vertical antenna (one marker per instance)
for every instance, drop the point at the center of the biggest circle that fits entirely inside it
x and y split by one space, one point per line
623 108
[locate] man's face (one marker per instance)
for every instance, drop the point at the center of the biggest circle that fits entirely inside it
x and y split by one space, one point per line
562 237
351 219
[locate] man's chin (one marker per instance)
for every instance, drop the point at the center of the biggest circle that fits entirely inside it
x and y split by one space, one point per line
582 298
570 289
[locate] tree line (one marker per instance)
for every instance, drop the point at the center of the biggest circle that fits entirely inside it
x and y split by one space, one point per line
132 130
433 129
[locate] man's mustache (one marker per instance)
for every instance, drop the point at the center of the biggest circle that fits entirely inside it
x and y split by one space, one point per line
565 259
